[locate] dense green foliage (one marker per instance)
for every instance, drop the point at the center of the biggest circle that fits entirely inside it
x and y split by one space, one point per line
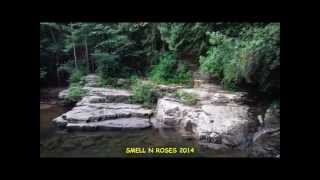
187 98
75 76
241 55
143 93
108 65
170 70
253 57
75 92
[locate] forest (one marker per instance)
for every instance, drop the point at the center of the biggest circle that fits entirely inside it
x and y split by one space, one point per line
140 56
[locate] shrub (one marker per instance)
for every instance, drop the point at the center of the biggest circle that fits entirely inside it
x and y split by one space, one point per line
187 98
143 93
76 76
133 79
107 81
108 65
183 75
252 57
170 70
69 68
75 92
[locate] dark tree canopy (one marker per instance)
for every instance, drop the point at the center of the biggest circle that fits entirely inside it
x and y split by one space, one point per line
239 54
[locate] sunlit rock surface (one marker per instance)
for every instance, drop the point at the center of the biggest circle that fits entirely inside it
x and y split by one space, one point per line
103 109
218 119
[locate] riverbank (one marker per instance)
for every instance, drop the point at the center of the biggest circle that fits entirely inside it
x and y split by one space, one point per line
220 121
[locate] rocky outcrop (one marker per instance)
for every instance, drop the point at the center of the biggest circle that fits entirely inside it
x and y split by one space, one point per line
109 94
266 141
101 112
219 121
91 80
103 109
213 94
98 94
113 124
167 89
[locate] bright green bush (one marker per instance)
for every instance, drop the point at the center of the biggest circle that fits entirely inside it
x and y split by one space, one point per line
184 38
75 92
106 82
252 57
108 65
187 98
170 70
76 76
143 93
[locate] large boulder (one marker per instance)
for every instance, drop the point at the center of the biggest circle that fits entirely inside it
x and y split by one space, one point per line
223 124
212 123
170 112
266 141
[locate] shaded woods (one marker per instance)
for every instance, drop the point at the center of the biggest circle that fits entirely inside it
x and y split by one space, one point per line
239 55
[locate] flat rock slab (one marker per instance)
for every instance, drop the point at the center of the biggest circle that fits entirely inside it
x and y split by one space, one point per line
104 111
118 124
110 95
98 95
212 95
91 80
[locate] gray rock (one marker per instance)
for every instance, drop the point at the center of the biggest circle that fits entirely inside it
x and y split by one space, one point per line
214 95
91 99
60 122
121 82
63 94
260 120
91 80
272 118
214 146
104 111
110 95
168 88
213 123
103 108
117 124
266 141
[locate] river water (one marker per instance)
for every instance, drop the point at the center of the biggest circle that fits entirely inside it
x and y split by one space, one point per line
60 143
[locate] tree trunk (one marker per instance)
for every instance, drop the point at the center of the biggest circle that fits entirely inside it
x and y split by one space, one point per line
58 74
56 57
74 49
87 54
75 56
